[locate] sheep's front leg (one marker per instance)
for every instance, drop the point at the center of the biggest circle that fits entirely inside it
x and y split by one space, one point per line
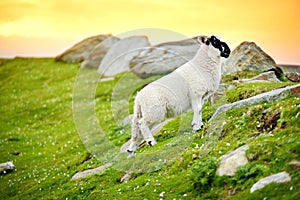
145 130
136 137
197 119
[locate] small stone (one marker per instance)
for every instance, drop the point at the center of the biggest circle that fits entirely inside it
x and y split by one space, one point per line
232 160
294 163
275 178
162 194
90 172
6 167
253 156
126 177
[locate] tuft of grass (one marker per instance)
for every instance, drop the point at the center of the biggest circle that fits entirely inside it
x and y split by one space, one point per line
238 76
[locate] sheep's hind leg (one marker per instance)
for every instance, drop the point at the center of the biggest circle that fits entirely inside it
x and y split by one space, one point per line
145 130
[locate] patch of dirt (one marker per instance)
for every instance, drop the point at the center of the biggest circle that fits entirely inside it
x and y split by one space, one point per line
268 120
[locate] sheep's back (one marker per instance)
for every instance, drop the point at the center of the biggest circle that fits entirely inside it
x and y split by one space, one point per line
167 95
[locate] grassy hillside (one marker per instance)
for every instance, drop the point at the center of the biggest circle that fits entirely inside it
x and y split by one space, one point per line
38 134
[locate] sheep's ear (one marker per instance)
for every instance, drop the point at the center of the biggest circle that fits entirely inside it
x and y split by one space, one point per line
200 39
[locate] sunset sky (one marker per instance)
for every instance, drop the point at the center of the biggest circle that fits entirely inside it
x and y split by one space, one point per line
47 27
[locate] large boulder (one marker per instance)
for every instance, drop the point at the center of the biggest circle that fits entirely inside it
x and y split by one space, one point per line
163 58
94 59
290 68
293 76
249 56
82 49
119 55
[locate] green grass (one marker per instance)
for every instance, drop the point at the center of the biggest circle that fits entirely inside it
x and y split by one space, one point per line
38 133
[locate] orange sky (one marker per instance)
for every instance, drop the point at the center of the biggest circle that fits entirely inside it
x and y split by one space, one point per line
47 27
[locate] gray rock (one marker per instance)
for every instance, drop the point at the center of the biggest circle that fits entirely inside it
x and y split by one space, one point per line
275 178
293 76
163 58
271 96
90 172
232 160
263 77
119 55
82 49
294 163
93 60
126 177
6 167
290 68
249 56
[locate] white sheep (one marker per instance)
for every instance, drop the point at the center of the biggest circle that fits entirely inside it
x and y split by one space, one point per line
186 87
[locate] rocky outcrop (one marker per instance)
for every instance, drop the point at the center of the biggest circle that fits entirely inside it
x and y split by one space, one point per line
249 56
263 77
163 58
119 55
290 68
232 160
81 50
293 76
275 178
274 95
95 57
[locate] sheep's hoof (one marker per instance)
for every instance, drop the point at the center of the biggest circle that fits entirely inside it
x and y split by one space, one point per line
197 127
151 143
130 153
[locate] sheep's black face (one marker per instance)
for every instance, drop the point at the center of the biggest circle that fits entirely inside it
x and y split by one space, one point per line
216 43
222 46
